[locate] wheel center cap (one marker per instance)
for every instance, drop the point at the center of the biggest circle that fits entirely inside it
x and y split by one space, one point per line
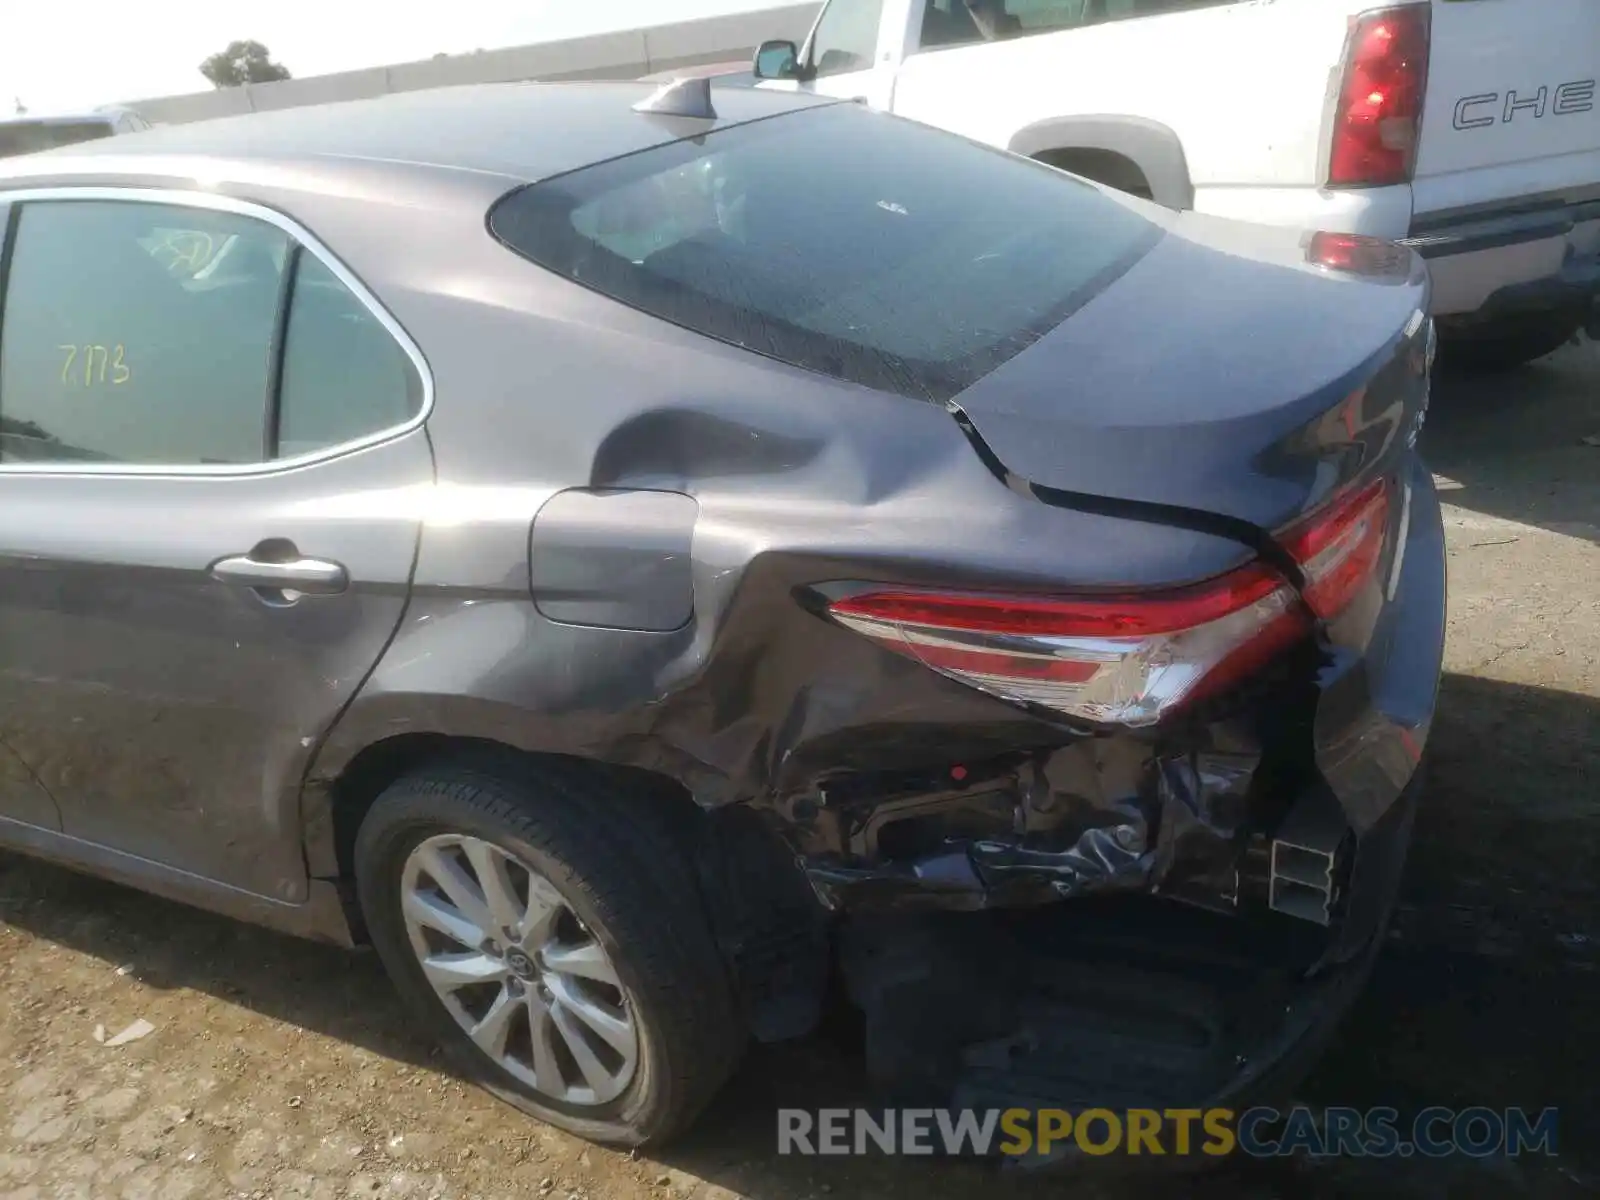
521 965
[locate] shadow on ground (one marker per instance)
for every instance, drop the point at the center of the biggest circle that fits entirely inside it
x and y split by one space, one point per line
1486 995
1514 442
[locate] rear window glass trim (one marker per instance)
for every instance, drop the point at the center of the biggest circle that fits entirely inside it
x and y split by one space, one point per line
936 385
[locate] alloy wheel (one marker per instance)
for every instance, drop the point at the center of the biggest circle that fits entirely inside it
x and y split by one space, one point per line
521 975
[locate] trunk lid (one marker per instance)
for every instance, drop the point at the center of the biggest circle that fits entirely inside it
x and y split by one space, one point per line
1510 83
1227 373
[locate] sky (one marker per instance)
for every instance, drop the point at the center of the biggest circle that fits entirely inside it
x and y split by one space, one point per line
76 54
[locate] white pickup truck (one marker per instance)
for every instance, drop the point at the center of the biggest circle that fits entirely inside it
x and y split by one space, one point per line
1468 129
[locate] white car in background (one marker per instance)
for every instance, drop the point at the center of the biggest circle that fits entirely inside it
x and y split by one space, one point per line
29 134
1467 129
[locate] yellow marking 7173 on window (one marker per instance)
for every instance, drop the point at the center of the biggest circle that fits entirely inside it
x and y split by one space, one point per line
101 364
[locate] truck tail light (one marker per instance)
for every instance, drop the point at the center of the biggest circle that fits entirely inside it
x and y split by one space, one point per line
1378 119
1131 659
1356 254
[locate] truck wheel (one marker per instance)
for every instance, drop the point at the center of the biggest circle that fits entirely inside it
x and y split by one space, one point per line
1508 342
553 944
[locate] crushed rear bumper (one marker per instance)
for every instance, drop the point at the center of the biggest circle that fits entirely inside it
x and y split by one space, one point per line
1124 997
1258 805
1073 1007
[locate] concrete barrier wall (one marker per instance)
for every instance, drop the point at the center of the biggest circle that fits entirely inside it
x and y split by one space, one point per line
628 55
690 43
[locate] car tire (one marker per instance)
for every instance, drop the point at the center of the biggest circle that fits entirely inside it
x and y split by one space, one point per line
553 835
1506 343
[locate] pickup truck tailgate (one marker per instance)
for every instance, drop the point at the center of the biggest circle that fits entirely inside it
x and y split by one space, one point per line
1510 82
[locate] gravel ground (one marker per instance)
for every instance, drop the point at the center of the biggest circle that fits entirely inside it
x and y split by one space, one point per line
281 1069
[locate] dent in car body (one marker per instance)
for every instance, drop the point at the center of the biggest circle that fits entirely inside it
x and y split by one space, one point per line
796 479
800 480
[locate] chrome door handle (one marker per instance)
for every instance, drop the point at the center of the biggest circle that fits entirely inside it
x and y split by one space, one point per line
308 576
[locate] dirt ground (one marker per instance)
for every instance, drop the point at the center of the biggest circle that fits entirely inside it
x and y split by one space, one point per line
284 1070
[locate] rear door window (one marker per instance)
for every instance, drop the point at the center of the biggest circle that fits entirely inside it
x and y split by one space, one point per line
137 333
839 240
344 376
159 334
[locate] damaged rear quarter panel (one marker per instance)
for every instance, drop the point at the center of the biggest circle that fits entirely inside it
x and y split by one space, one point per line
795 480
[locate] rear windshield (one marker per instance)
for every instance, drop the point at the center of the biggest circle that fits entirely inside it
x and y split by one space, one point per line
27 137
837 239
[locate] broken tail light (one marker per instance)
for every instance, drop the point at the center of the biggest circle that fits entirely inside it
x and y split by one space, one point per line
1340 547
1378 118
1133 658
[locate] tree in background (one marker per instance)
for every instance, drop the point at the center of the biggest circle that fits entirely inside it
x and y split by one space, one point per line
241 63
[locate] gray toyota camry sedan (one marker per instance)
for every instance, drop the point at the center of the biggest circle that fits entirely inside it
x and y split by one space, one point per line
660 565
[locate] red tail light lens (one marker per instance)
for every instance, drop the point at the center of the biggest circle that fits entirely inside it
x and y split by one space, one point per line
1379 115
1340 548
1132 659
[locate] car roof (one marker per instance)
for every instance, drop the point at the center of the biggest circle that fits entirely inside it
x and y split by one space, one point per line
524 131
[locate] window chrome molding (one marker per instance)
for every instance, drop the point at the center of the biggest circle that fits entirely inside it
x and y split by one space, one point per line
212 202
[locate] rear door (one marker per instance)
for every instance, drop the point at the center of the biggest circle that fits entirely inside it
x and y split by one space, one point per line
195 401
1512 105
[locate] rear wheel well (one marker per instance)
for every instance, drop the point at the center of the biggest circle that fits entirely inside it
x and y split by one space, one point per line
372 771
759 905
1103 166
